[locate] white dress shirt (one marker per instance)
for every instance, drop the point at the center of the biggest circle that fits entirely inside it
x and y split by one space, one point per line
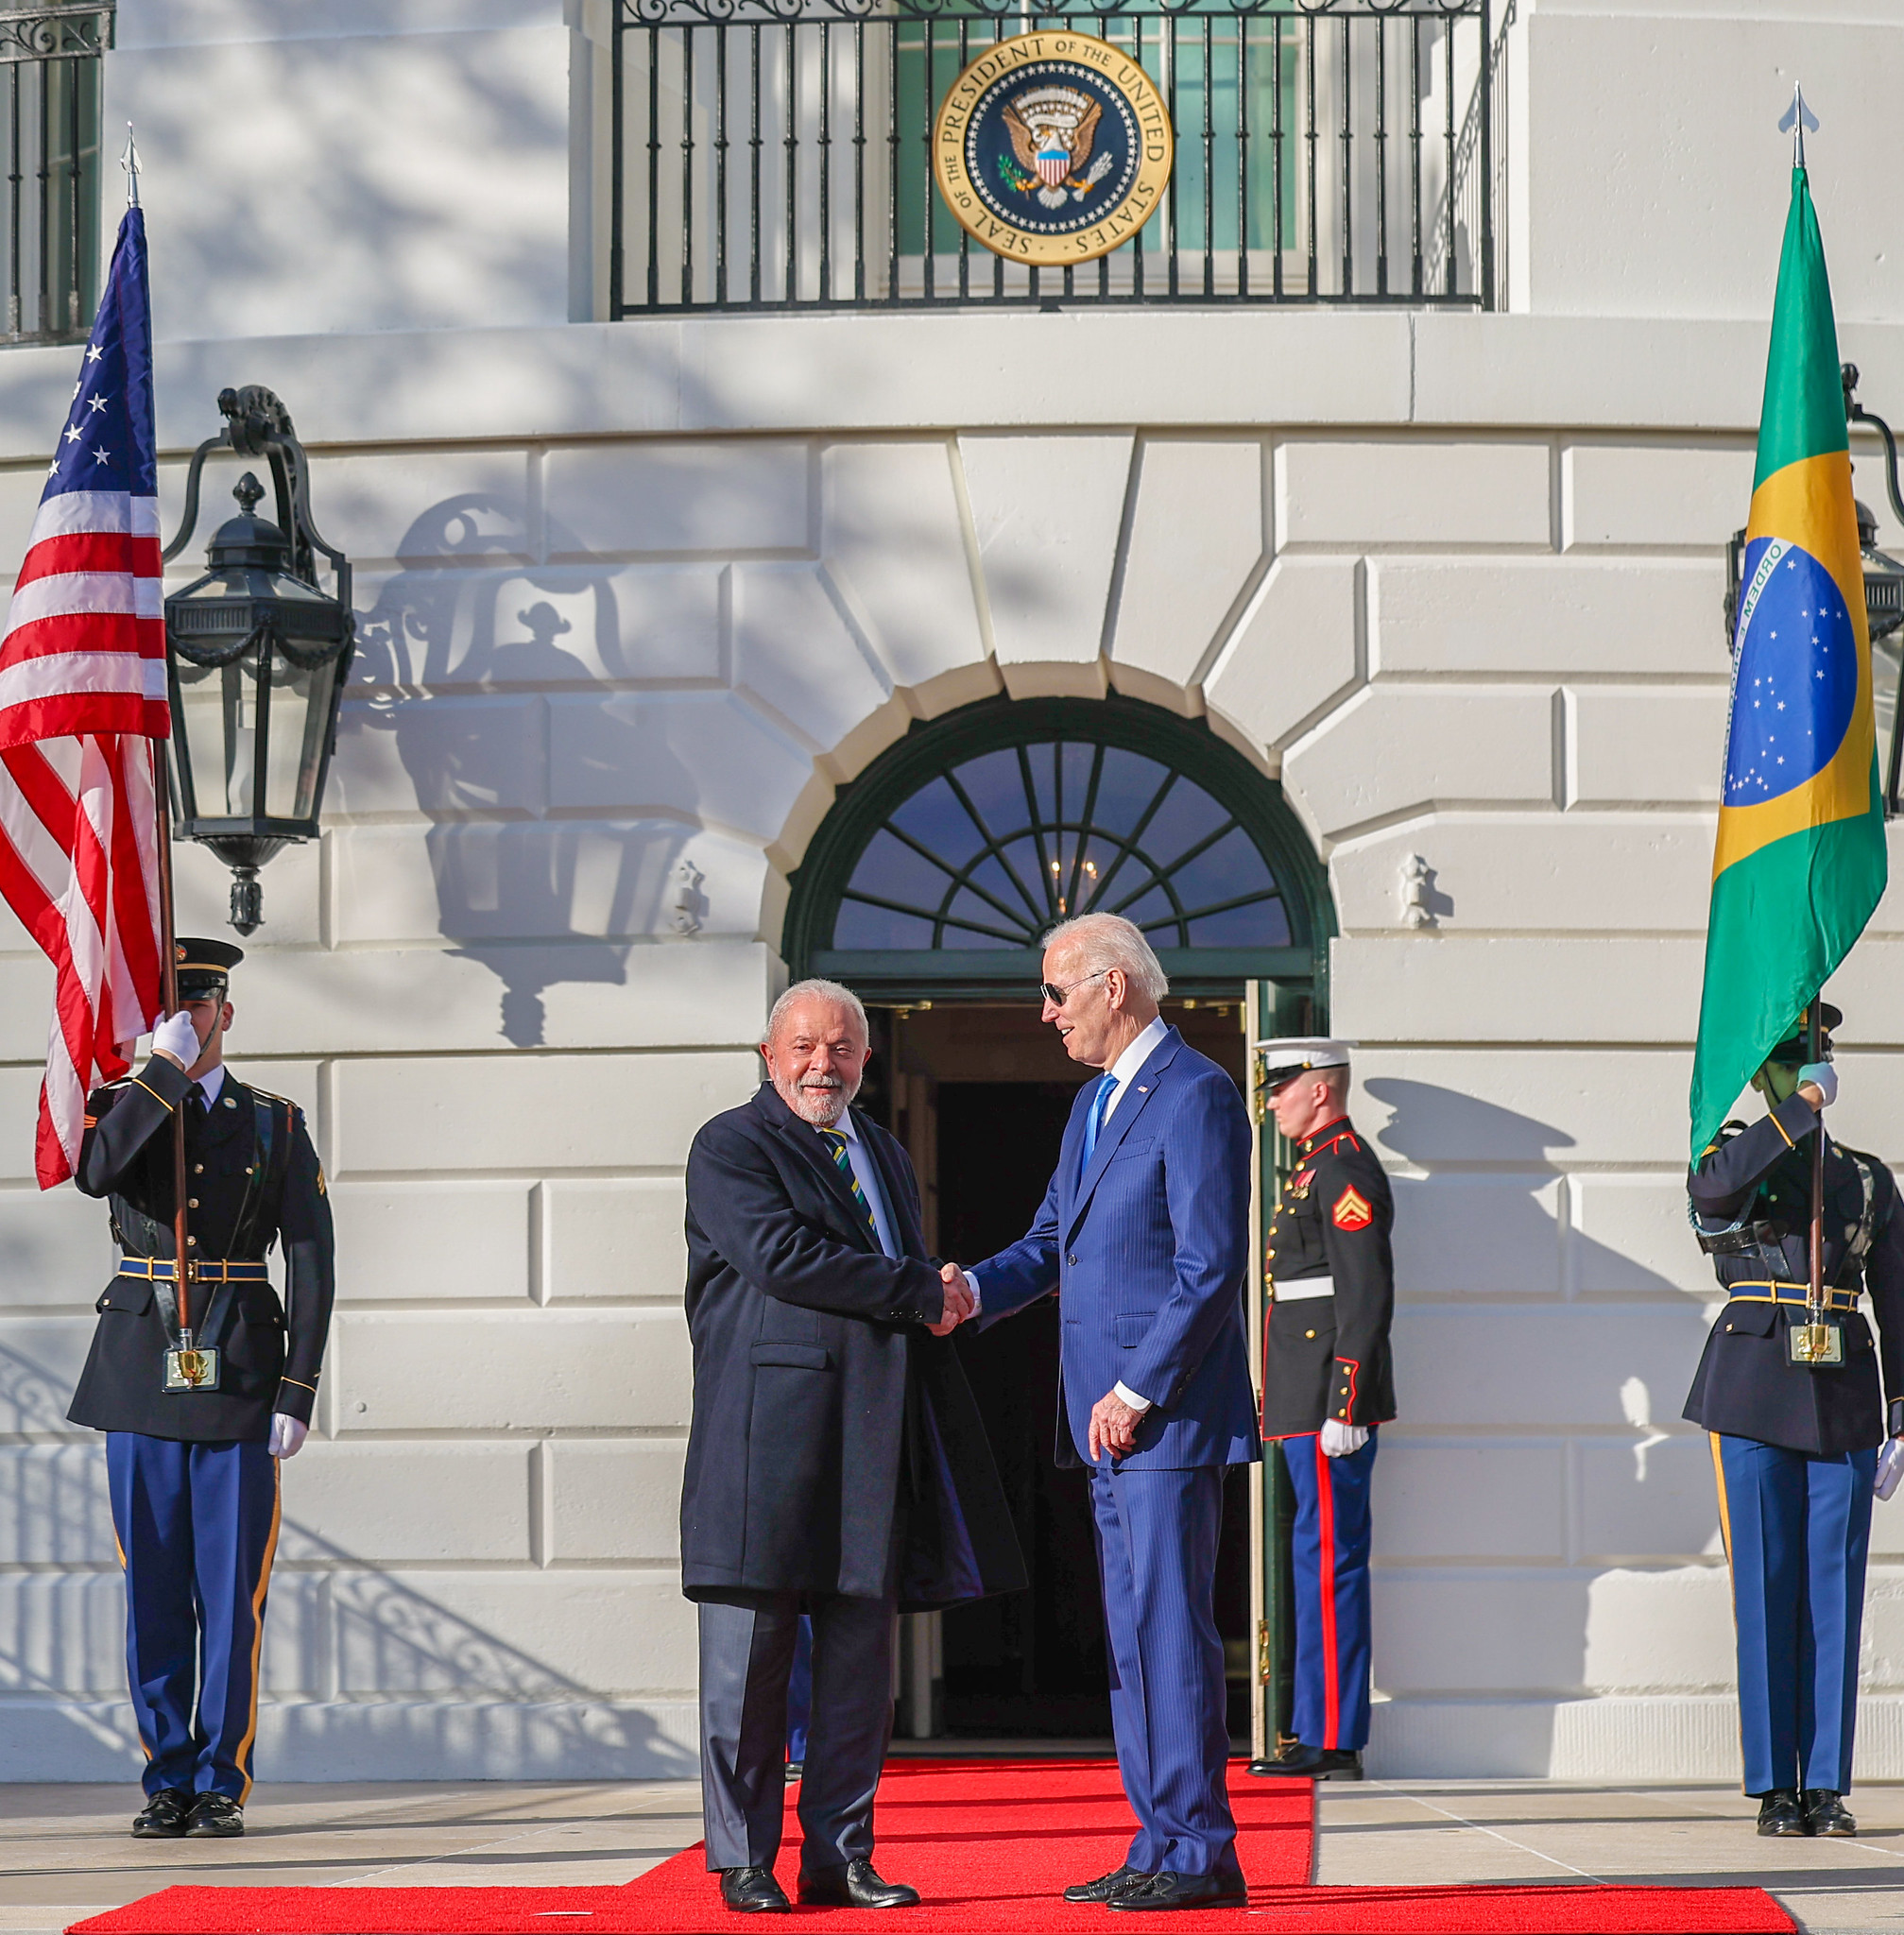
867 1174
209 1083
1124 1071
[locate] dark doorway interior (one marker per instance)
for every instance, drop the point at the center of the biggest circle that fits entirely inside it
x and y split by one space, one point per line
999 1090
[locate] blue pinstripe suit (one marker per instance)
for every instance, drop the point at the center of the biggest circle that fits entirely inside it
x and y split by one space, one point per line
1145 1243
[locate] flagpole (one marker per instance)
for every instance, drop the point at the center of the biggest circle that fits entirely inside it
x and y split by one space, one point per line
1815 1313
168 972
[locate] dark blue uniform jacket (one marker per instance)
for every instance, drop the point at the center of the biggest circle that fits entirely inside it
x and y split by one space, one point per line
1747 1385
240 1203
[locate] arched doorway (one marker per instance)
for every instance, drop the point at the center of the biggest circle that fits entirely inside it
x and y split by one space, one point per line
927 890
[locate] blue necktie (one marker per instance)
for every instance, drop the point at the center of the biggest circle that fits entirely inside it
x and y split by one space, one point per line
1094 1122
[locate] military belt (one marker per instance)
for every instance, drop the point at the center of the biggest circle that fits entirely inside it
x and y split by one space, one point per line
1302 1288
1792 1294
163 1270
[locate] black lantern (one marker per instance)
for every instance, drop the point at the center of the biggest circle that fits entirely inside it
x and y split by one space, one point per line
1883 600
257 654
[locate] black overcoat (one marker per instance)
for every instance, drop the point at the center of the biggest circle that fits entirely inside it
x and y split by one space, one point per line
242 1199
822 1406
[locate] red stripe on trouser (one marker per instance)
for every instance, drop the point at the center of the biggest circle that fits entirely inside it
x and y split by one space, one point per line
1325 1572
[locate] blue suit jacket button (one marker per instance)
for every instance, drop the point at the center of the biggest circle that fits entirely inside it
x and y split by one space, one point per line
1071 1260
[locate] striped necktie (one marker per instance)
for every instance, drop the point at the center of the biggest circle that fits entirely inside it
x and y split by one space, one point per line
843 1161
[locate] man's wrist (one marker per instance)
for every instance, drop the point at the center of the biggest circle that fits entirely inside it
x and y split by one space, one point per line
1127 1396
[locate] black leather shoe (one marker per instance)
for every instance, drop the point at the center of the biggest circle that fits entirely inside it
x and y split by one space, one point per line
1780 1812
1165 1891
163 1816
754 1892
1311 1763
1117 1882
855 1886
216 1814
1826 1813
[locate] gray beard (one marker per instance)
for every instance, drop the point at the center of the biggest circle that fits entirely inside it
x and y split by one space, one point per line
821 1108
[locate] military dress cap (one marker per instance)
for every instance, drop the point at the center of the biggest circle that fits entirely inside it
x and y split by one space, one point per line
205 967
1797 1047
1285 1056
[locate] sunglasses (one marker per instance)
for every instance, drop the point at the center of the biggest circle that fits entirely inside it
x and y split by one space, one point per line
1056 995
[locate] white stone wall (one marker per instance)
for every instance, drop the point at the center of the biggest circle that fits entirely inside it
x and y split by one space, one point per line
635 599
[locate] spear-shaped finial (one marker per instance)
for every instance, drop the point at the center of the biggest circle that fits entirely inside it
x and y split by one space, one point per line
1797 120
129 162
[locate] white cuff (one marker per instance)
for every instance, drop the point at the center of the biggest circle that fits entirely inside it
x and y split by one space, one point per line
1127 1396
977 1301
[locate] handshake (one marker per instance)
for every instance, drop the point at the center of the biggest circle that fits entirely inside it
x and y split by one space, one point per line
959 1301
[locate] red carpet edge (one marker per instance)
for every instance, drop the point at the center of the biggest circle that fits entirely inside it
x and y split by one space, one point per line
990 1844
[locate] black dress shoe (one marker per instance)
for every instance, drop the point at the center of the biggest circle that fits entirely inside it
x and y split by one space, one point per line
1166 1891
1311 1763
1781 1812
754 1892
1117 1882
165 1814
1826 1813
216 1814
855 1886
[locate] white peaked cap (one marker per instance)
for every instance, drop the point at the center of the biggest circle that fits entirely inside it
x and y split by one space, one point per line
1298 1052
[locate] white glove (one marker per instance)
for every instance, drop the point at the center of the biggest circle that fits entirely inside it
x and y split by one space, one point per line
287 1435
175 1037
1824 1075
1890 1468
1340 1440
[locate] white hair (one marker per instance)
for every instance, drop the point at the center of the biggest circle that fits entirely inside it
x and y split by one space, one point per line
820 991
1109 940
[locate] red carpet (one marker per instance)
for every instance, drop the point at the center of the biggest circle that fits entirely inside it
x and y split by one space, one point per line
989 1843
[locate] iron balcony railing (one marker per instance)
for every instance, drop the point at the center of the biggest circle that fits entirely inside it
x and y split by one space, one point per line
49 139
774 154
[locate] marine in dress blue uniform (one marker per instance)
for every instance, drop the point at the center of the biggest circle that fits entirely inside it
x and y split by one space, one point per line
1328 1383
193 1472
1794 1445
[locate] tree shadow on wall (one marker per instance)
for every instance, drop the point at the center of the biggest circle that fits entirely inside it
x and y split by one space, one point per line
464 659
398 1640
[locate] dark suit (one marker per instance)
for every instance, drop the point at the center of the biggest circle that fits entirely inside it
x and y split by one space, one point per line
194 1488
835 1457
1146 1244
1793 1446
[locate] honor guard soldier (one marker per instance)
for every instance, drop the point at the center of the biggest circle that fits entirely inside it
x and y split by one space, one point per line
1328 1381
1796 1415
200 1388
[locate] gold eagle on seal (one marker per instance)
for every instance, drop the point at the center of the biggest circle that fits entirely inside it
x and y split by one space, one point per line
1053 132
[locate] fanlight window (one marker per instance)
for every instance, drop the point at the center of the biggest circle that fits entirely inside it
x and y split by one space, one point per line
990 852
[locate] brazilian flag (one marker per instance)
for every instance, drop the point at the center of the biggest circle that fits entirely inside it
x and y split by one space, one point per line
1799 864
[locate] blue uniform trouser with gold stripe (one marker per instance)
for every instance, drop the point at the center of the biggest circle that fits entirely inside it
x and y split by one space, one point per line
1797 1529
1329 1550
197 1528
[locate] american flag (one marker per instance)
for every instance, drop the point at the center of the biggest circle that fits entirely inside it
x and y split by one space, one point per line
82 704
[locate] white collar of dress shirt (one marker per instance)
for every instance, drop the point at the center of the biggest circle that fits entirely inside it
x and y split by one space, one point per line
846 1126
1125 1067
211 1082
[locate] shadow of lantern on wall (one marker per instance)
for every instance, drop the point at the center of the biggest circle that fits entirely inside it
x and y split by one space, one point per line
1883 601
257 656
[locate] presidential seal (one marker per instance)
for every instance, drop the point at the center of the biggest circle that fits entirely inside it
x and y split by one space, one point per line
1052 149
